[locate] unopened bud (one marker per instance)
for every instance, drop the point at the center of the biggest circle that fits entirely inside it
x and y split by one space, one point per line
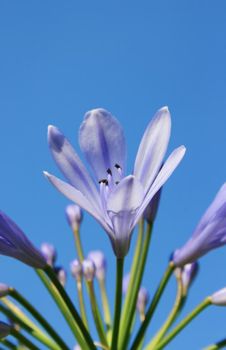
88 269
49 253
74 216
76 269
61 275
125 283
142 301
4 290
219 297
99 261
152 208
189 272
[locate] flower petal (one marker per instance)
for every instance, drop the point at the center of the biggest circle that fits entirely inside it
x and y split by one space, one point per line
102 140
122 206
70 165
76 196
168 168
152 148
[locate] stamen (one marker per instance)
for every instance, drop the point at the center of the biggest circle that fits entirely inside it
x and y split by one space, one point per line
119 170
117 166
109 171
103 181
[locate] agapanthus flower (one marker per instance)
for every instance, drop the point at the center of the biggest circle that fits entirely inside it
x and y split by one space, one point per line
208 235
4 329
74 216
219 297
100 263
142 300
15 244
4 290
117 201
88 269
76 269
49 251
61 274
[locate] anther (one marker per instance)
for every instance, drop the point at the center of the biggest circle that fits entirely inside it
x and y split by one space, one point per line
109 171
117 166
104 181
116 182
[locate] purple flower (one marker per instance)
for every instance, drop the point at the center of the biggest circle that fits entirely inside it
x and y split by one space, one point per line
209 234
4 290
142 300
61 274
76 269
125 283
117 201
4 329
49 252
100 263
189 272
152 208
88 269
74 216
14 243
219 297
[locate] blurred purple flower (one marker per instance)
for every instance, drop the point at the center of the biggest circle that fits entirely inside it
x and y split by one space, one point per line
125 283
4 290
74 216
142 300
88 269
219 297
119 201
49 252
61 274
209 234
76 269
189 272
15 244
100 263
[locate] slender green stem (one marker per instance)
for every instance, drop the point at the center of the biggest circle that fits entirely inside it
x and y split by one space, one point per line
14 313
63 308
171 317
118 303
153 305
52 276
81 303
136 275
206 302
96 315
8 344
36 314
106 308
78 244
24 340
219 345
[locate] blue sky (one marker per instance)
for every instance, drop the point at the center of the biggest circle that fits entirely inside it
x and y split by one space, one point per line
61 58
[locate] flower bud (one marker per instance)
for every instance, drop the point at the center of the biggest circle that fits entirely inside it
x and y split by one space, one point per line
219 297
4 290
49 253
99 261
61 275
152 208
88 269
74 216
188 274
4 329
76 269
125 283
142 300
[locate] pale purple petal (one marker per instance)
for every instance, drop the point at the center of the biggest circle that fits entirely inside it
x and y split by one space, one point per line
70 164
168 168
219 297
102 141
15 244
122 206
152 148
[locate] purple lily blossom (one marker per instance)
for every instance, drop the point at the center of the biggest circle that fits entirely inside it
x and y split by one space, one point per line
208 235
116 201
15 244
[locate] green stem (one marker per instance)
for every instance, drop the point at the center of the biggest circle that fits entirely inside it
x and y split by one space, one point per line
63 308
219 345
153 305
25 341
206 302
8 344
78 244
81 303
14 313
52 276
118 303
136 275
96 314
36 314
106 308
171 317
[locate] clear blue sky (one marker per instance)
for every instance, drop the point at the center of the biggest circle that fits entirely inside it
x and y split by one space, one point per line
59 59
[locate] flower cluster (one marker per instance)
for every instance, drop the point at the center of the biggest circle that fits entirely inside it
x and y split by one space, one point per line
119 203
